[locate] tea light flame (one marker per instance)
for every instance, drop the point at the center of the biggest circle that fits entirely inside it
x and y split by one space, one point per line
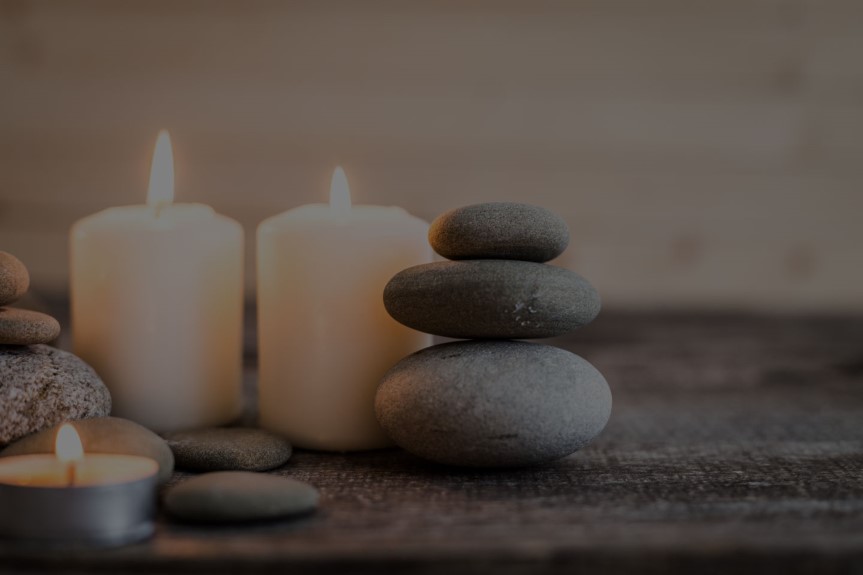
161 190
340 193
68 445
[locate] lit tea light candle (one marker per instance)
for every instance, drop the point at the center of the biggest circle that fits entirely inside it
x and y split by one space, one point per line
325 338
73 498
157 306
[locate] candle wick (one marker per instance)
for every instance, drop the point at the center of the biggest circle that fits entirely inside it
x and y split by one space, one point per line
71 474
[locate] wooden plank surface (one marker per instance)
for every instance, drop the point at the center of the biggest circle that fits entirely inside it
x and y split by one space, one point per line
735 445
728 131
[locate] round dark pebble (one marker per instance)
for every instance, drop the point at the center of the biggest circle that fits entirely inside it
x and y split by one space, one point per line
493 403
491 299
25 327
239 496
41 386
14 278
228 449
499 230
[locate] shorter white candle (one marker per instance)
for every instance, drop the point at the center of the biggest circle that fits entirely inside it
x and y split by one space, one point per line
70 497
325 338
86 470
157 305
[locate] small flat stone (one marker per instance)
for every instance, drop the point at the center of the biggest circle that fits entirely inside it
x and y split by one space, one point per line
25 327
14 278
499 230
104 435
41 386
492 299
228 449
493 403
239 496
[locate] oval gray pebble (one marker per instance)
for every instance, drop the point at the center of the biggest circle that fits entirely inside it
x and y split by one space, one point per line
228 449
239 496
26 327
491 299
104 435
14 278
493 403
499 230
41 386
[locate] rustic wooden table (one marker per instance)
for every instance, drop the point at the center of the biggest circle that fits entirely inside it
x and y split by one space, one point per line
736 443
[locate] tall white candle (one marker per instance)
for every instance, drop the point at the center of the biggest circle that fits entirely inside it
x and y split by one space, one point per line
325 338
157 305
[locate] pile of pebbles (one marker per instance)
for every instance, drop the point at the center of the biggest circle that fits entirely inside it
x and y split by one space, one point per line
493 401
227 486
40 386
230 487
21 326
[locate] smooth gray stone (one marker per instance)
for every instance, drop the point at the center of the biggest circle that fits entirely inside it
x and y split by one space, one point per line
104 435
25 327
499 230
493 403
14 278
228 449
41 386
239 496
494 299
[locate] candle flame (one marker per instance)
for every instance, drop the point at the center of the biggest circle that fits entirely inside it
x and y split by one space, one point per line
161 189
68 445
340 193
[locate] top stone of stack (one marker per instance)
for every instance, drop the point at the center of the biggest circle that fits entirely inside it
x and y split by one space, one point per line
499 230
21 326
502 288
14 279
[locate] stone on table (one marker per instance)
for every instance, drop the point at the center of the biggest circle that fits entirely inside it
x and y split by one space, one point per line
499 230
228 449
499 299
493 403
14 278
239 496
26 327
41 386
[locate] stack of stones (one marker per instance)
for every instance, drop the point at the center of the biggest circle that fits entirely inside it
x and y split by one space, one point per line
493 401
40 386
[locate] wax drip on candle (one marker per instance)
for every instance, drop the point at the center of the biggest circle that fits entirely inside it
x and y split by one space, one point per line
69 451
340 193
161 190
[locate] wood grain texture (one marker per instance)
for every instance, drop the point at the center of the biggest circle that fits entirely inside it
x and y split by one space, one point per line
735 445
705 154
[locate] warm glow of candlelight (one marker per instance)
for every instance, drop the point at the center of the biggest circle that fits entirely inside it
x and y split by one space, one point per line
161 190
68 445
340 193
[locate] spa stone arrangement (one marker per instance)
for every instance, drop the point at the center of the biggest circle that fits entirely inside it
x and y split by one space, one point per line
40 385
42 388
89 439
492 401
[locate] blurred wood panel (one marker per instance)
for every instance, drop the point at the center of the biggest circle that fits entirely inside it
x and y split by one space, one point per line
706 154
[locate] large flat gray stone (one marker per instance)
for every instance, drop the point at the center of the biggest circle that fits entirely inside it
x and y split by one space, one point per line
493 403
499 299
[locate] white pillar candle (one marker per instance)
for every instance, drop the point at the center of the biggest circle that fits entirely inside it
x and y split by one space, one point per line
157 306
325 338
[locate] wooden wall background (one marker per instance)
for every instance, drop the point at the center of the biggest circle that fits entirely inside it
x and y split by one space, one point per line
705 153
